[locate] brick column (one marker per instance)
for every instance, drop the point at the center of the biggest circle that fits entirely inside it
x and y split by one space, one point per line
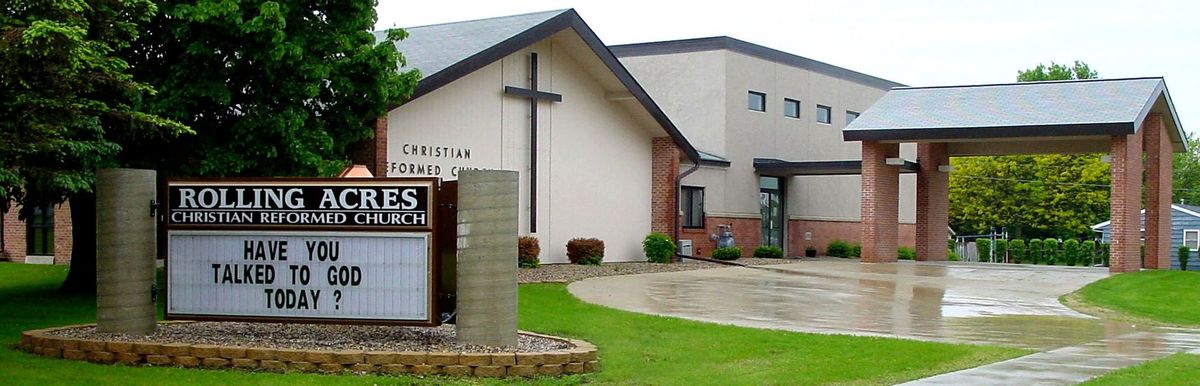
14 234
62 233
1125 203
933 202
880 200
1159 160
664 209
372 153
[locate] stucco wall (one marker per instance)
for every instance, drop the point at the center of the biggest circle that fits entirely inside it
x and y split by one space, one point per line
594 157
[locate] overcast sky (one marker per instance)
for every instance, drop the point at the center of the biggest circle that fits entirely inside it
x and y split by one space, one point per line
915 42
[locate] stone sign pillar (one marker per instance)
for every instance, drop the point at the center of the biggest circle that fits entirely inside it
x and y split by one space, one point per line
125 251
487 257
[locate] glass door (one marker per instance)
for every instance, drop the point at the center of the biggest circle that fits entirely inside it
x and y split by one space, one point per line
770 199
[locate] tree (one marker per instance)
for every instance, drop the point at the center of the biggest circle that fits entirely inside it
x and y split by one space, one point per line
68 107
1187 173
1032 195
272 88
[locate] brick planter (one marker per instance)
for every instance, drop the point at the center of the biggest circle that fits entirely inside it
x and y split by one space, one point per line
579 358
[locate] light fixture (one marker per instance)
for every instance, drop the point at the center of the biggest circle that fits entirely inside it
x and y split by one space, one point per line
897 161
945 168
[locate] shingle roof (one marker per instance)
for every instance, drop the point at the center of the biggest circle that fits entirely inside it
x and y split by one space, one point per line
1059 108
433 48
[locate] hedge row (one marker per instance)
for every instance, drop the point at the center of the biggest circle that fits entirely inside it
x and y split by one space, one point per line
1044 251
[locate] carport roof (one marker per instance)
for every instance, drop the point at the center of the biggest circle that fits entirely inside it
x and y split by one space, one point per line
1027 109
778 167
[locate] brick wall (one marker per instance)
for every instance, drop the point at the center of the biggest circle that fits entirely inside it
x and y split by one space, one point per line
747 233
824 232
1126 202
14 234
664 209
1159 158
880 202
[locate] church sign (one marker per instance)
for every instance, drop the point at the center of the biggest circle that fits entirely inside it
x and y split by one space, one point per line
302 250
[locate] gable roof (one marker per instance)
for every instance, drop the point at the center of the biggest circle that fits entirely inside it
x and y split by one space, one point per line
1022 109
446 52
1190 210
750 49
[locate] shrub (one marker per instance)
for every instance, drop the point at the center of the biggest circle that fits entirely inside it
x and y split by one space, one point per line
768 251
585 251
906 253
528 251
658 247
856 250
1035 251
1105 253
1050 251
1185 254
1001 247
838 248
1070 251
1016 250
727 253
951 255
983 246
1087 252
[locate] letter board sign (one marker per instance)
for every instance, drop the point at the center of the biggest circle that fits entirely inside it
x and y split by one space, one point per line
302 250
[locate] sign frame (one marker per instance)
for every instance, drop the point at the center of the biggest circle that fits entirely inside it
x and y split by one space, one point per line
431 228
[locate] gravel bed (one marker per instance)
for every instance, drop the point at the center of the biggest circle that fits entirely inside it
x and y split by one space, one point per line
572 272
316 336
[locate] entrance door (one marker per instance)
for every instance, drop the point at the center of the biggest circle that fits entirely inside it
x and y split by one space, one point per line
770 199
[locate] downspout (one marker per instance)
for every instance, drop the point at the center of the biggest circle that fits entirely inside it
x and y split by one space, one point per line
675 203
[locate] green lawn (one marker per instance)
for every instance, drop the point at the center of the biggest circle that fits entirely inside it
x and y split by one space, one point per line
1178 369
634 348
1167 297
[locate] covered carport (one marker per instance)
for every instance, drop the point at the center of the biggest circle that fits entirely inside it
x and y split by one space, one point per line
1126 118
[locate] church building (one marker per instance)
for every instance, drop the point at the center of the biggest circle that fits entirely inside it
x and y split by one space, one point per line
540 94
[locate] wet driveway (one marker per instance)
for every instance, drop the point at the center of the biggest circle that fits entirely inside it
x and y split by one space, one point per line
1000 304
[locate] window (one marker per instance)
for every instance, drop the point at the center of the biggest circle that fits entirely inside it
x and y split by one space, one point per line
850 116
824 113
758 101
1191 238
39 232
691 203
791 108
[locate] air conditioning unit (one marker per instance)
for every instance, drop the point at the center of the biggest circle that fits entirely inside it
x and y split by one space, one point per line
685 247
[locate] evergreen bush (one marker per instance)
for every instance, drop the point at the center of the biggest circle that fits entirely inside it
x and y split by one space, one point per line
838 248
1001 252
769 252
1185 254
727 253
528 251
1035 251
1087 253
1052 254
984 247
951 255
1105 253
906 253
1070 252
1017 251
855 250
585 251
658 248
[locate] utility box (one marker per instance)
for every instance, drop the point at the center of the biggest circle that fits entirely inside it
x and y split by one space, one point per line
685 247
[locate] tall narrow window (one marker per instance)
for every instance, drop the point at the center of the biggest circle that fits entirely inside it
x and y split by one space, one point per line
824 113
39 232
691 203
850 116
757 101
1191 238
791 108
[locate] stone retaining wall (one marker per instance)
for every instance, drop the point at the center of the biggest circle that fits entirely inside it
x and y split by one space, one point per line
580 358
